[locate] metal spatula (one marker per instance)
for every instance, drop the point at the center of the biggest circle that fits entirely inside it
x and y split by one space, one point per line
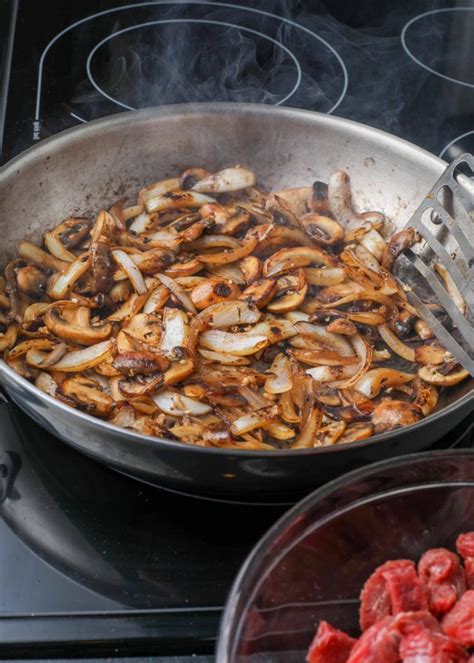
445 222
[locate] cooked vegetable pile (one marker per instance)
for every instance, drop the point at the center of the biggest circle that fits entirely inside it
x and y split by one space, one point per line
217 314
410 614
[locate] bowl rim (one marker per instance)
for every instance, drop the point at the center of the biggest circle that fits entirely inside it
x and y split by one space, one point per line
251 562
314 119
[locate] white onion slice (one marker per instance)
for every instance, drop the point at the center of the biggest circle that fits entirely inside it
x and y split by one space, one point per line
177 291
332 373
374 243
64 282
249 422
133 273
319 333
395 344
176 331
282 379
46 383
81 360
235 344
377 379
223 358
227 314
228 179
177 405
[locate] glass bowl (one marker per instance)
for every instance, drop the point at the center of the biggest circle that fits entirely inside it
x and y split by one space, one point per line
313 562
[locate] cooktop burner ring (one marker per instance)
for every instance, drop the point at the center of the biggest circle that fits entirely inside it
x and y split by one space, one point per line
193 21
454 141
407 50
203 3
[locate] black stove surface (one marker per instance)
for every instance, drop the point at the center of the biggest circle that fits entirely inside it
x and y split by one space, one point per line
91 562
404 67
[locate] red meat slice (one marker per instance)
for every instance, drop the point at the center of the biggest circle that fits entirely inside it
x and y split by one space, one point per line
393 587
465 547
459 622
408 622
442 574
424 646
330 645
379 644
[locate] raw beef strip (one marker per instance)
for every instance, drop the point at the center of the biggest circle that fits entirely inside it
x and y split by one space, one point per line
393 587
424 646
407 622
330 645
443 576
459 622
379 644
465 547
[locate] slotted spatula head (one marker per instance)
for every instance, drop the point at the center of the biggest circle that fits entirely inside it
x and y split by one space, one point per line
445 223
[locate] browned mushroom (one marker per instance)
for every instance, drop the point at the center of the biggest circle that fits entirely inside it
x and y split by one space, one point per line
140 385
140 363
391 414
260 292
76 333
396 245
102 280
300 256
319 199
322 229
31 280
212 291
85 394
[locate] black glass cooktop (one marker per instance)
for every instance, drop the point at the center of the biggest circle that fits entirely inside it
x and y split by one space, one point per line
91 562
405 67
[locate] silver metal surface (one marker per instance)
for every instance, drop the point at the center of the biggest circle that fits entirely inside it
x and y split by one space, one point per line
85 168
445 225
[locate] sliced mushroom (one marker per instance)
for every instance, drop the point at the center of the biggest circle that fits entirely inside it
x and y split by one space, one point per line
32 253
139 363
396 245
297 200
140 385
179 370
86 394
300 256
432 354
75 333
356 433
8 338
319 198
260 292
212 291
226 180
102 280
322 229
426 396
31 280
329 434
435 376
392 414
145 327
291 292
251 268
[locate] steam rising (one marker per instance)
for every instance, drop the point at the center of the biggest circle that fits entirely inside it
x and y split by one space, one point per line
207 60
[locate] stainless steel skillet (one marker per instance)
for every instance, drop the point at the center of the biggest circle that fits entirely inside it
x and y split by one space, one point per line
83 169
